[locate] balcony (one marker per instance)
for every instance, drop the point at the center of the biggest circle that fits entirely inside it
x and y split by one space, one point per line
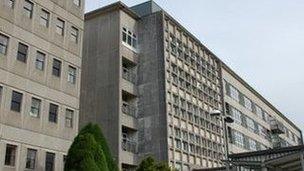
128 109
128 74
276 127
128 145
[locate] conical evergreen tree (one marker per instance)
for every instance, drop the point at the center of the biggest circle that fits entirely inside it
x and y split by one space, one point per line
90 152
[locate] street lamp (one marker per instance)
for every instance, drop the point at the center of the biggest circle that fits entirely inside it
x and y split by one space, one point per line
226 119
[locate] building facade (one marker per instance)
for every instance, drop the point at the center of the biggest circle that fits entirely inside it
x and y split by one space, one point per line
151 86
258 125
40 68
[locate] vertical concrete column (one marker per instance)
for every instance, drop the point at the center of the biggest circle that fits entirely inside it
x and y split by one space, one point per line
302 160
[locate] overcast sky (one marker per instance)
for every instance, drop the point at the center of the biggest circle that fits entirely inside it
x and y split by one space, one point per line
263 41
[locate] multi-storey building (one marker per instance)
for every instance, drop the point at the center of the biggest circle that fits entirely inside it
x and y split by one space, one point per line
40 66
152 86
258 125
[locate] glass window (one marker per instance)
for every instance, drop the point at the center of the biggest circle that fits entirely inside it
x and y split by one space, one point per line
60 26
247 103
53 113
31 159
238 139
72 75
10 3
49 161
252 145
129 37
3 44
74 34
234 93
69 114
40 58
76 2
22 52
259 111
250 124
16 101
35 107
28 8
1 92
10 155
236 115
56 68
44 18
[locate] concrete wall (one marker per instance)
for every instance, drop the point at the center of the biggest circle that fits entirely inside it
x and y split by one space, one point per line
20 128
152 106
100 92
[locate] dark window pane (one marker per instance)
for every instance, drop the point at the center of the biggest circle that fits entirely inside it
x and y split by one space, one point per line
31 159
56 67
10 155
16 101
22 52
3 44
49 161
53 113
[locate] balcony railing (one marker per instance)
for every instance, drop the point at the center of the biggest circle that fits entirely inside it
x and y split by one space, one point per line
129 145
129 109
128 75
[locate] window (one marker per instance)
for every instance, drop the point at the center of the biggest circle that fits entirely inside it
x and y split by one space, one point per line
250 124
69 114
60 26
35 107
72 75
3 44
76 2
237 116
129 38
56 67
40 58
30 159
234 93
53 113
252 145
259 111
16 101
10 155
49 161
10 3
22 52
238 139
44 18
247 103
28 8
74 34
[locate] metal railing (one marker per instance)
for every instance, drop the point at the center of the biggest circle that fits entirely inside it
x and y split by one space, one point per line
129 145
128 109
128 75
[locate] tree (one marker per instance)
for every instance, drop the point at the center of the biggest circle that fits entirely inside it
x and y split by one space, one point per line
149 164
90 152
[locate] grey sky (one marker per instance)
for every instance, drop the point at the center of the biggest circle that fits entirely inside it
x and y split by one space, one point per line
263 41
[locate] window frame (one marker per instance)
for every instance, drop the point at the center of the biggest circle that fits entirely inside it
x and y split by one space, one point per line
45 17
4 45
51 156
77 3
74 34
22 52
40 62
10 159
10 3
31 157
29 11
60 26
53 113
69 119
56 67
17 102
72 74
35 108
129 38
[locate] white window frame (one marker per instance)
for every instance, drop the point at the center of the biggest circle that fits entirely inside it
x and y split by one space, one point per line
129 39
45 18
72 74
